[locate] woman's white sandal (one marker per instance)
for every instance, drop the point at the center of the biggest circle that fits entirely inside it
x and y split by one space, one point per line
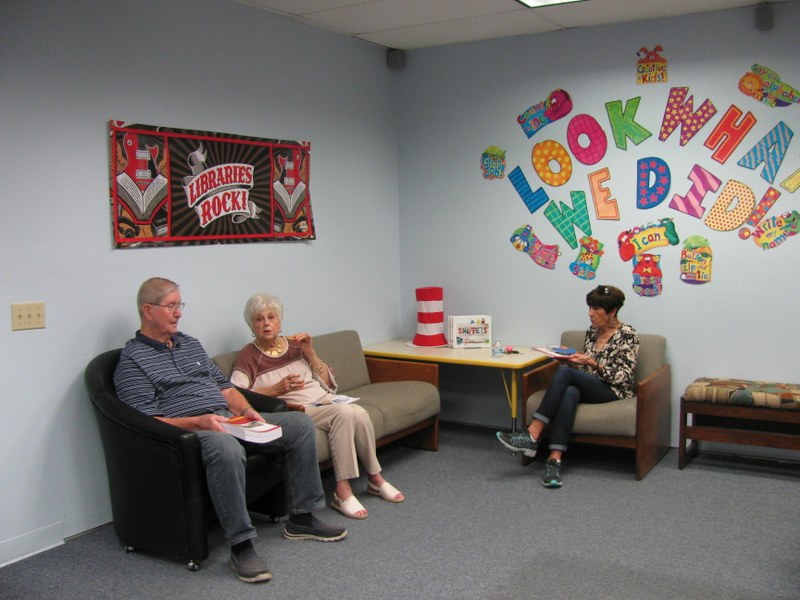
348 507
386 491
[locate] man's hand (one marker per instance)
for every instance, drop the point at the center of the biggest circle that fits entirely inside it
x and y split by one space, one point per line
253 414
239 405
198 423
210 422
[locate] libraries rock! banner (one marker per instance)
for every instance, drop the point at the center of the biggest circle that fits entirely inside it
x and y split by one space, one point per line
173 187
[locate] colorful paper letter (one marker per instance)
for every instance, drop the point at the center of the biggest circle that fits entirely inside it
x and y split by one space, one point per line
678 112
623 124
771 150
650 196
704 182
728 134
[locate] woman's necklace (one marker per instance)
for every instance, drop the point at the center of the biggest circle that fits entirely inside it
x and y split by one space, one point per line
276 350
605 335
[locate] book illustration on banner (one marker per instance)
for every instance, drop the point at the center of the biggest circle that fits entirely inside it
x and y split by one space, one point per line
251 430
337 399
556 351
469 331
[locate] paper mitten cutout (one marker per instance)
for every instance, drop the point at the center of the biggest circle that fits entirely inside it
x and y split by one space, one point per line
585 266
544 255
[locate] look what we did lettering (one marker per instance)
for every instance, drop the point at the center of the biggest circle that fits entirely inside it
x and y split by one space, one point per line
587 142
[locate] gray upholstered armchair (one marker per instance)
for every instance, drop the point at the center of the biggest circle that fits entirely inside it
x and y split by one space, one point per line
641 423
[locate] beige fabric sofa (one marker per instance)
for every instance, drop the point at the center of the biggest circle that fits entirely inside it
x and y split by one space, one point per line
401 397
641 422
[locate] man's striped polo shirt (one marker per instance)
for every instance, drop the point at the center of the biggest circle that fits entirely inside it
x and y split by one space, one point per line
181 381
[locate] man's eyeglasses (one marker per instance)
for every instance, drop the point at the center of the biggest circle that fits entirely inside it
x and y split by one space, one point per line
174 307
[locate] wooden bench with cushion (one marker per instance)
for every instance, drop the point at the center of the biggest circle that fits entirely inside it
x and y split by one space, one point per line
738 411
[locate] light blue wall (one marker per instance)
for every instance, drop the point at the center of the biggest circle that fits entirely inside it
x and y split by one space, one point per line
393 211
455 225
66 68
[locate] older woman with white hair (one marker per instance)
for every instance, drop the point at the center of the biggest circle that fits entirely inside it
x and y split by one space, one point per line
289 368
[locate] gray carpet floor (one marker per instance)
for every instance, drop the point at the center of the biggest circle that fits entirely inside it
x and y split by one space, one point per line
478 525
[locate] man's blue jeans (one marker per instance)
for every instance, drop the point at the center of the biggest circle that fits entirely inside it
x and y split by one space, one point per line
224 458
567 388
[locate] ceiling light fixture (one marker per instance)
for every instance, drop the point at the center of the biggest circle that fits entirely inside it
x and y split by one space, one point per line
540 3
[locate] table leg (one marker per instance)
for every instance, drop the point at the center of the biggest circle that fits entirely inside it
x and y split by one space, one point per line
514 388
511 396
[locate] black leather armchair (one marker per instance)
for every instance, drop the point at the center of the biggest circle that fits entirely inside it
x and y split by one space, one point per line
159 499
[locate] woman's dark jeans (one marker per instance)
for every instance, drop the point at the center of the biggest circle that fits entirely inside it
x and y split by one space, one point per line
568 387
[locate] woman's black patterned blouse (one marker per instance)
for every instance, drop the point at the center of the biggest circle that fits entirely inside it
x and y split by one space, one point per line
617 357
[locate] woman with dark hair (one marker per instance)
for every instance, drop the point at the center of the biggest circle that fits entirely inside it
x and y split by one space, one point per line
603 372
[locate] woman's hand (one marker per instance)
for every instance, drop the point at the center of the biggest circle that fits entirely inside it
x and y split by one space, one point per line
302 341
578 359
290 383
584 359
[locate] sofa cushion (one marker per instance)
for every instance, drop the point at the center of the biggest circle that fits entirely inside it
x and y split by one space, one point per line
343 353
225 362
396 405
744 392
610 418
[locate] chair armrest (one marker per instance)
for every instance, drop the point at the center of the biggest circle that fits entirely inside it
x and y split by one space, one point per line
653 402
538 379
385 369
141 450
263 403
118 414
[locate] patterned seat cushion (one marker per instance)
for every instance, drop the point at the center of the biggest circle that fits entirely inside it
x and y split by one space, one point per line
744 392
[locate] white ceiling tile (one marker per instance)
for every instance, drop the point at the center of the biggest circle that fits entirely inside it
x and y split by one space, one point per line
606 12
380 15
462 30
410 24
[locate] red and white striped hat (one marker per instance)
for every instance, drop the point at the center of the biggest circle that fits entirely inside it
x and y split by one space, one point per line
430 317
